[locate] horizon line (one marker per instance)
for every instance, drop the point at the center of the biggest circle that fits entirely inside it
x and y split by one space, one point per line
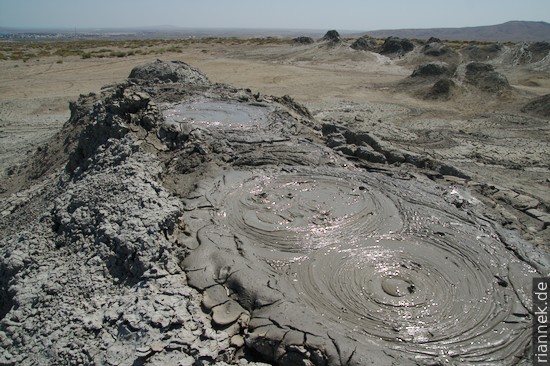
177 27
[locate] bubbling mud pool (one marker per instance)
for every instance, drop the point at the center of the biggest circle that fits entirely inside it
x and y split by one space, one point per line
382 262
217 114
425 296
302 212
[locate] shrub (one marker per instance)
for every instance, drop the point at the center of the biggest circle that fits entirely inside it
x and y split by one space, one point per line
117 54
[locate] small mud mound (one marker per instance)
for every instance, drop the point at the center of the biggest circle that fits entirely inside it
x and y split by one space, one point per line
175 71
539 50
434 40
529 53
432 69
397 46
436 49
442 89
303 40
421 82
484 77
478 68
332 36
365 43
483 52
538 107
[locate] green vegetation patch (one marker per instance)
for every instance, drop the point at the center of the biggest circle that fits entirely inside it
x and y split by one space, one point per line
89 49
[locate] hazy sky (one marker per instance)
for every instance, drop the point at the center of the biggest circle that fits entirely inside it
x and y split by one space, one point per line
305 14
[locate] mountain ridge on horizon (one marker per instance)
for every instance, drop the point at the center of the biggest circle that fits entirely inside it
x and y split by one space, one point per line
514 31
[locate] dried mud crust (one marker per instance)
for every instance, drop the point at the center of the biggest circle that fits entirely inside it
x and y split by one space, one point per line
196 223
93 275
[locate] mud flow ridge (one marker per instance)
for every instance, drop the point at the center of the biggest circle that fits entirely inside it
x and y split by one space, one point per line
220 224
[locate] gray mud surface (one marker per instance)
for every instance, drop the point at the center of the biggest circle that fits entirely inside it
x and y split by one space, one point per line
183 222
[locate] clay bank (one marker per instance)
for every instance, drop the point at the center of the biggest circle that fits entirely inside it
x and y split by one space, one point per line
181 222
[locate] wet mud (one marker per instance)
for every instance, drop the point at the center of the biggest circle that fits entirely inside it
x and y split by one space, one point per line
363 264
308 244
222 114
332 263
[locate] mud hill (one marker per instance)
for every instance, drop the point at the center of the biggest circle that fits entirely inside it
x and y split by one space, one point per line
182 217
182 221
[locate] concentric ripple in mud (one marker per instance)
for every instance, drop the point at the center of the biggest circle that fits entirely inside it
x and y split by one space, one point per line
379 265
301 212
437 296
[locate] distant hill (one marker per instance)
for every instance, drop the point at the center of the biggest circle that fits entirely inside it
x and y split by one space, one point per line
514 31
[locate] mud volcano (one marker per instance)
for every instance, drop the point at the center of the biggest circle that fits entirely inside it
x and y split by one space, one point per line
294 254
